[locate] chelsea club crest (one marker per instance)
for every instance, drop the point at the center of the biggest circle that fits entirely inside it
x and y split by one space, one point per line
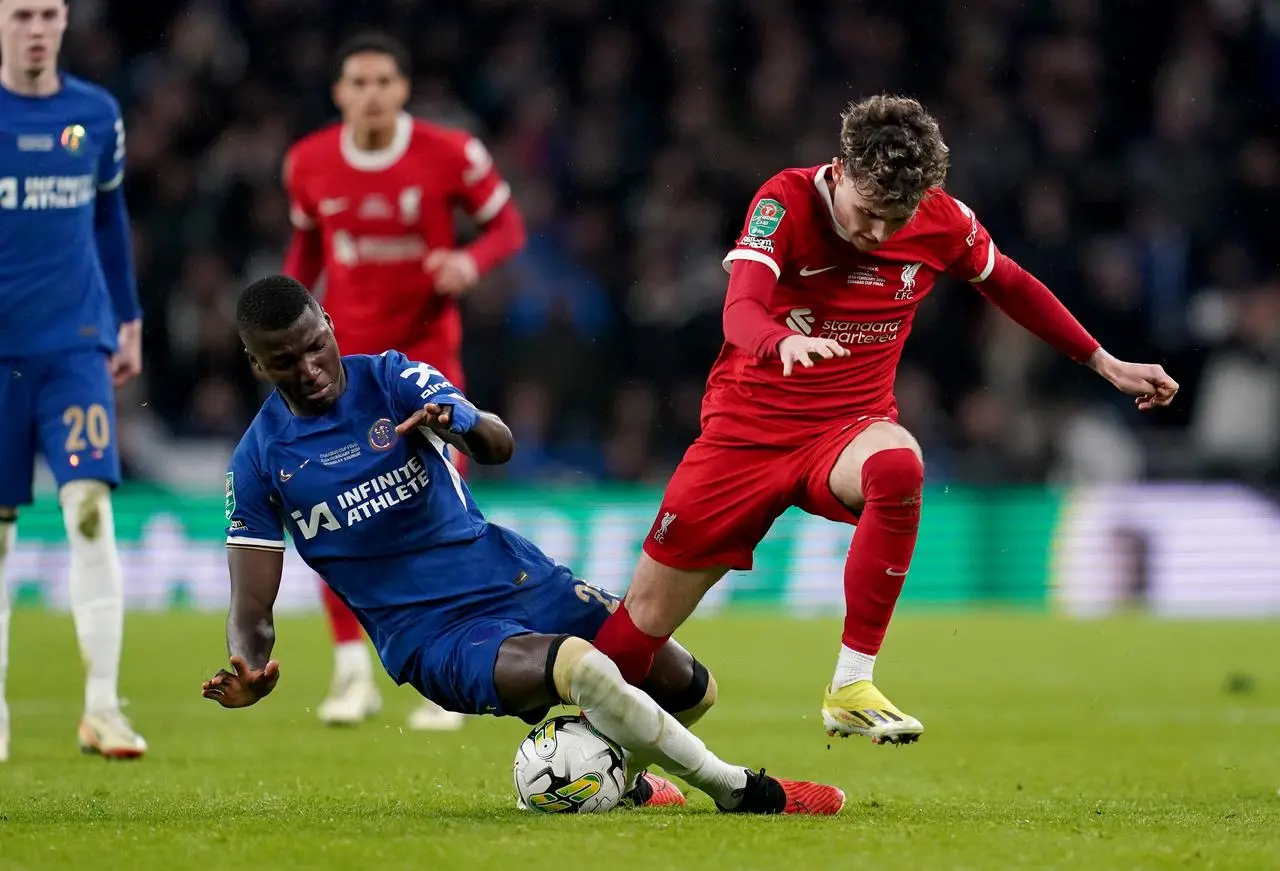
382 435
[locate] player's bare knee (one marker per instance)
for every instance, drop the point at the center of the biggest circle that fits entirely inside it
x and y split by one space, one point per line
647 583
660 597
849 476
86 506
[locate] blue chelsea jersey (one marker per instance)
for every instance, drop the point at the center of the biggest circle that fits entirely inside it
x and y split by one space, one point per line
345 484
385 519
56 154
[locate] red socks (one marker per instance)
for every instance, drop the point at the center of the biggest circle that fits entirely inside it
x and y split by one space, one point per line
882 547
629 648
346 628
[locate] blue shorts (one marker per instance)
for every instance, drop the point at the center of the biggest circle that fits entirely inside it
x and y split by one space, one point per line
63 406
455 667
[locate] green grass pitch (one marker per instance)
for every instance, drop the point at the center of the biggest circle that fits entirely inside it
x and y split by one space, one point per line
1120 744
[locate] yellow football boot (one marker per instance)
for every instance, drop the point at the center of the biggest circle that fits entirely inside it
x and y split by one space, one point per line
861 709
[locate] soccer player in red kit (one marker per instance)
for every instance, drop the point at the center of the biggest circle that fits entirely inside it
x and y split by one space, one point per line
372 200
799 408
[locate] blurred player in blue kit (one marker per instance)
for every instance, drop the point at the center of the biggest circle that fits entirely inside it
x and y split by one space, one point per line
349 453
70 332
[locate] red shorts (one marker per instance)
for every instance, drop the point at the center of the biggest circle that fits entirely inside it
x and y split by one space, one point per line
722 499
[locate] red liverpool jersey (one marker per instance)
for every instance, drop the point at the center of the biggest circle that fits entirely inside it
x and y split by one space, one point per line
828 288
379 213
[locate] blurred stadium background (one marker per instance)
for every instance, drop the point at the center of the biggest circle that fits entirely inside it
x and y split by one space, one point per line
1125 151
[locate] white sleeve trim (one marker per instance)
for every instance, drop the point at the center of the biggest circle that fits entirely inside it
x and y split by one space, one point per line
438 443
300 219
487 212
241 541
748 254
991 263
113 183
479 162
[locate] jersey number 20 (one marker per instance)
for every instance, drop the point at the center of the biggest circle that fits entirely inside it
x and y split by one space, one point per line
81 422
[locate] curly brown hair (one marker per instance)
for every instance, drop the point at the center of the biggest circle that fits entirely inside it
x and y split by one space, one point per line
892 150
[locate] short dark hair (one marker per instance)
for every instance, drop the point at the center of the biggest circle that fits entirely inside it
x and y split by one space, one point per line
892 149
373 42
273 303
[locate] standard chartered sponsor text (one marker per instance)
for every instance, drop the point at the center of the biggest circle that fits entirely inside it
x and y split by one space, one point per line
861 332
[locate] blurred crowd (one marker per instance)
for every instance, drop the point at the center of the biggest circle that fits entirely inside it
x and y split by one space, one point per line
1126 151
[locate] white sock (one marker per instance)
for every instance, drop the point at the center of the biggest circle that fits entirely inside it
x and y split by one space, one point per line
351 661
634 720
8 536
851 667
97 589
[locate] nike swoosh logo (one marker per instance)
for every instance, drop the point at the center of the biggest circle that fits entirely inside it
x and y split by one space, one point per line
285 476
893 573
805 271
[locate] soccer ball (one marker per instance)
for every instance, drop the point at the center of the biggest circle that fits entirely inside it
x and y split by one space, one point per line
565 766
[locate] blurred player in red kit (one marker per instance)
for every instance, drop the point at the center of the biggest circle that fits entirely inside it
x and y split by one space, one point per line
799 409
372 200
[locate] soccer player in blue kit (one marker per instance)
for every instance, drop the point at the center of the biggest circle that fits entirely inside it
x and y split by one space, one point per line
349 454
70 332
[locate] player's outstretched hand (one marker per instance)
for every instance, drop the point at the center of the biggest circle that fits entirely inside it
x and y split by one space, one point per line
806 350
1147 382
455 272
243 687
126 362
455 416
